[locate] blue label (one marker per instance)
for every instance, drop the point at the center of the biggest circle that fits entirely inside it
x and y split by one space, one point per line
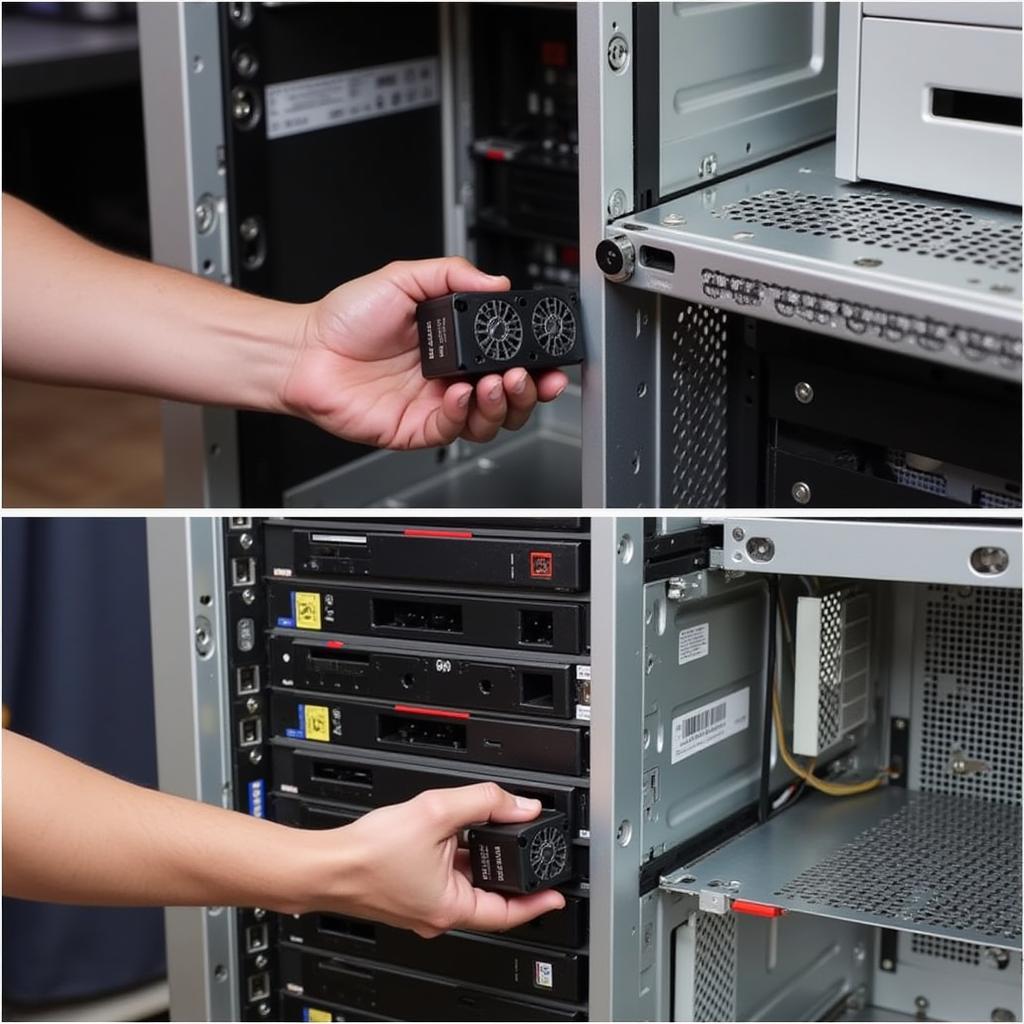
285 623
256 798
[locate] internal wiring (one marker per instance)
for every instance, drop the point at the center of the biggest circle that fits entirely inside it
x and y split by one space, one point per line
806 772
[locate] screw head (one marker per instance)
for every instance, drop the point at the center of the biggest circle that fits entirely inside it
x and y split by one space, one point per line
255 756
804 393
901 724
206 214
617 203
887 964
618 53
672 219
801 493
252 705
737 533
616 258
241 109
264 1009
761 549
248 596
921 1003
249 229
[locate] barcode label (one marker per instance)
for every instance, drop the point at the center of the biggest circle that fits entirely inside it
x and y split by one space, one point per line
709 724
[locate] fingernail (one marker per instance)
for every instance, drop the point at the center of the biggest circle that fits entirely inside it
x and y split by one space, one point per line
524 803
464 399
519 383
495 393
560 390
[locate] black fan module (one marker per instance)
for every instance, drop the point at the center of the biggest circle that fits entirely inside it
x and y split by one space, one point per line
522 857
473 333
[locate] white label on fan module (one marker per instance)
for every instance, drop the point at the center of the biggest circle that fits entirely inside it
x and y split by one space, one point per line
710 724
324 101
694 642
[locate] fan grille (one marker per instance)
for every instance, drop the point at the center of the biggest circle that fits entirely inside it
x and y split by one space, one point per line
554 326
498 330
548 852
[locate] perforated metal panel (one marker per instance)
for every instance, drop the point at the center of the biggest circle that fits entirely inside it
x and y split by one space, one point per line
697 405
938 861
945 949
886 221
966 704
714 982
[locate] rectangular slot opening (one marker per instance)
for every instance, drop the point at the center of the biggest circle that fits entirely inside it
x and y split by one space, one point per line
536 628
247 679
240 522
257 938
538 690
250 732
421 732
980 107
243 572
258 986
403 613
340 663
327 771
657 259
363 931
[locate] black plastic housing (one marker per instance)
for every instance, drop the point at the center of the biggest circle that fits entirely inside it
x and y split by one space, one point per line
521 857
473 333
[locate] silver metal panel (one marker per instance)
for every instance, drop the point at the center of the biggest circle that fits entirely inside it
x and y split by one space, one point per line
959 980
905 552
192 723
974 12
848 90
535 467
684 796
928 276
621 387
732 967
902 142
617 635
965 719
939 865
179 45
741 82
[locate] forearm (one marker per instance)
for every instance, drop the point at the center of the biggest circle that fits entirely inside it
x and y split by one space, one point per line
76 313
76 835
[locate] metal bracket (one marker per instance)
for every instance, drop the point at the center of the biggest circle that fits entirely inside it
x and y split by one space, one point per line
687 588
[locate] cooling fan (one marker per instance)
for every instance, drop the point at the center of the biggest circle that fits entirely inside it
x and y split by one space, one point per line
473 333
523 857
498 330
554 325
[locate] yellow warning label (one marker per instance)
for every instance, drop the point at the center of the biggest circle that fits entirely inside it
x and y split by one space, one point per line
312 1014
317 723
307 611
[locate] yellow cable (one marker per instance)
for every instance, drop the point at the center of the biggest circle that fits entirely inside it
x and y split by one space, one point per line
807 773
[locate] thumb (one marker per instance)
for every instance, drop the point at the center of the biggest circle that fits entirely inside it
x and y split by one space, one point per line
428 279
454 809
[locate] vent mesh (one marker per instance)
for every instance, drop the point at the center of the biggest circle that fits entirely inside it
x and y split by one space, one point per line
946 949
714 980
967 691
886 222
935 862
699 405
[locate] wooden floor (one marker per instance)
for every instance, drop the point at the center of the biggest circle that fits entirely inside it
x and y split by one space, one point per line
74 447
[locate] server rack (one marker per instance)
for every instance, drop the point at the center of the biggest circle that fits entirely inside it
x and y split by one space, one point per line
744 302
895 644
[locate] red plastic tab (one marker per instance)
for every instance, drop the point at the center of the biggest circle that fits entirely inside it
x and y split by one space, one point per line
496 154
445 534
542 565
335 645
432 712
756 909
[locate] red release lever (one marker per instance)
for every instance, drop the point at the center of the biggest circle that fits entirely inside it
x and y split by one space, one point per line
756 909
450 534
431 712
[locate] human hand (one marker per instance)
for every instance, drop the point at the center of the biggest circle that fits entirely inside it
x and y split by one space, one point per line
357 369
402 865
